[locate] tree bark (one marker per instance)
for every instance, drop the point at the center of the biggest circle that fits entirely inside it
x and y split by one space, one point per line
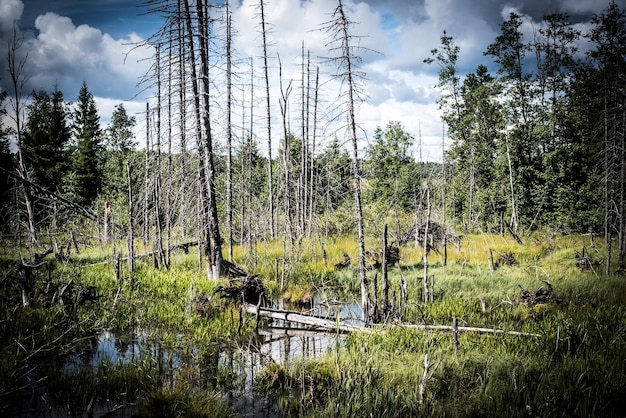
426 225
269 121
213 250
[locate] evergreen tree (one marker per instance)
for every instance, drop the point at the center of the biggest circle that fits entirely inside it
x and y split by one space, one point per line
335 177
86 161
119 143
565 165
478 160
609 68
510 51
46 139
389 167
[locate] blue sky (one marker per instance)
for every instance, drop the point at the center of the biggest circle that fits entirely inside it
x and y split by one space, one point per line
71 41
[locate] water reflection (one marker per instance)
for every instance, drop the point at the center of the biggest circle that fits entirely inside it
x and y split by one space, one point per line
83 383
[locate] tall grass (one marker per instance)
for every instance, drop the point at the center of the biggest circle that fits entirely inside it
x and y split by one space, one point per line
575 368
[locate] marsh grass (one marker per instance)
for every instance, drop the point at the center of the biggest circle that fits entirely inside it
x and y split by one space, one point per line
151 313
575 368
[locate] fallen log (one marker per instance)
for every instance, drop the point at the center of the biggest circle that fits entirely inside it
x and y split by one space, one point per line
468 329
328 325
299 318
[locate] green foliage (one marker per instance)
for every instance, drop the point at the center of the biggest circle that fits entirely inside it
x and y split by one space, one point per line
491 374
390 169
335 177
119 144
184 402
46 139
86 162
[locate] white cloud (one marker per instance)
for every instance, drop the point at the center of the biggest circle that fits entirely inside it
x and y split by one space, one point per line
67 54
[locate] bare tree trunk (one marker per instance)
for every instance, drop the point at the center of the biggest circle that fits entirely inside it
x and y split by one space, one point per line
182 120
146 200
443 195
472 187
426 225
170 174
621 219
304 158
385 296
200 207
341 36
130 239
158 232
514 219
214 240
250 154
269 121
286 157
312 163
608 233
229 133
18 79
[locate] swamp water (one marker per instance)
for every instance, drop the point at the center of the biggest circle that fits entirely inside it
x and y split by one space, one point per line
105 373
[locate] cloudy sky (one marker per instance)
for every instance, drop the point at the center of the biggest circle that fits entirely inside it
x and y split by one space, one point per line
71 41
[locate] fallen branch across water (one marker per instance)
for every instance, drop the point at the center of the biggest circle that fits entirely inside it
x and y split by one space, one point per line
299 318
329 325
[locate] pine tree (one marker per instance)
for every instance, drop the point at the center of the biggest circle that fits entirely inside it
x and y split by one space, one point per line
609 60
86 161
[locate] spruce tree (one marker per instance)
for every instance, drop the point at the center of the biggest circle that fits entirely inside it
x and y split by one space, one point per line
119 143
86 161
46 138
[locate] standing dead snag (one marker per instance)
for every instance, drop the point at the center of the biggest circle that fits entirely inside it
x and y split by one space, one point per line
425 278
341 44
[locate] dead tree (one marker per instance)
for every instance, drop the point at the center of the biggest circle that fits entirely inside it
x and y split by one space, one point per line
16 65
342 46
425 278
229 132
264 33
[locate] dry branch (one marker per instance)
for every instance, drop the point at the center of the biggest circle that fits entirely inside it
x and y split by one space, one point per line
88 213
